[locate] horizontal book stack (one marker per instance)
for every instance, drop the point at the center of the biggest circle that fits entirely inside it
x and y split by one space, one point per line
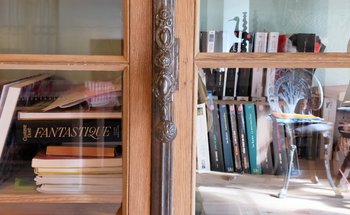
72 135
82 144
92 173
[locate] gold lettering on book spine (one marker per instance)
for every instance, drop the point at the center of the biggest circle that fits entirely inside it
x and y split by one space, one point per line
70 132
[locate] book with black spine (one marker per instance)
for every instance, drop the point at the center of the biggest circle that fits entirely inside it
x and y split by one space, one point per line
215 141
226 139
243 138
69 130
235 138
279 149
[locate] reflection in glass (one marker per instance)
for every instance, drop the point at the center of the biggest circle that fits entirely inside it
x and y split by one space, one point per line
322 18
61 27
61 133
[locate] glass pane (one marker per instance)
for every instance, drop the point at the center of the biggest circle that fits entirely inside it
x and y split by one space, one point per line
79 27
61 141
245 145
310 25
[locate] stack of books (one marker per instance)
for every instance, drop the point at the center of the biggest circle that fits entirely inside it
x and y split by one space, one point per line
93 172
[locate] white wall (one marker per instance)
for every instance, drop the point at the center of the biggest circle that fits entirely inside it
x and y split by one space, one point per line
83 20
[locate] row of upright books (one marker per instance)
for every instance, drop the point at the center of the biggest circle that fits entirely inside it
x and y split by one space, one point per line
238 137
252 83
70 132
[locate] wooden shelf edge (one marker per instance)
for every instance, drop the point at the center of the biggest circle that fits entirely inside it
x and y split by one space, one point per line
63 62
56 198
273 60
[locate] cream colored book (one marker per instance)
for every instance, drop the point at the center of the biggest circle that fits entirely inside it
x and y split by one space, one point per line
78 171
107 179
52 161
81 93
70 114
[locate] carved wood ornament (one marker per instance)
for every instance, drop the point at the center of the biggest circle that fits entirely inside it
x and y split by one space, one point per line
164 84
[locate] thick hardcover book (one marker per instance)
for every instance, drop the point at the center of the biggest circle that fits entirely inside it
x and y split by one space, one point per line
254 155
303 42
244 82
220 78
264 138
226 139
260 44
279 149
235 138
41 160
243 138
102 179
80 151
210 80
210 41
282 43
202 144
272 47
215 142
74 130
230 82
66 113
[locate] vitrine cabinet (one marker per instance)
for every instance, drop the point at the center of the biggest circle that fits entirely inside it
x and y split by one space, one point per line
286 17
84 41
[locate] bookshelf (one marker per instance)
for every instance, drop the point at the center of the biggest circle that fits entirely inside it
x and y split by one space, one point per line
71 58
185 158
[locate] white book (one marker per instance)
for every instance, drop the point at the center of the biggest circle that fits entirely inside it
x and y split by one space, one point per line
10 103
202 144
211 41
78 170
51 161
105 179
272 47
260 45
79 189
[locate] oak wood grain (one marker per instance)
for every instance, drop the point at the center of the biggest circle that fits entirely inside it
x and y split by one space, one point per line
273 60
184 108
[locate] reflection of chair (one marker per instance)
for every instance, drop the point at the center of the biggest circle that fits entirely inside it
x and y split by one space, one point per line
292 98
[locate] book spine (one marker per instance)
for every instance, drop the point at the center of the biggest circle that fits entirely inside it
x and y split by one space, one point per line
211 41
272 47
230 82
220 76
254 156
244 83
264 138
63 131
226 140
243 138
279 151
234 137
215 142
202 144
260 44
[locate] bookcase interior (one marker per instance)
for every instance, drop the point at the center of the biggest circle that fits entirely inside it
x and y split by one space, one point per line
221 27
105 95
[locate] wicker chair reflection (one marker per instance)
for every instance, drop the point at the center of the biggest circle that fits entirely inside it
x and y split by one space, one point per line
292 98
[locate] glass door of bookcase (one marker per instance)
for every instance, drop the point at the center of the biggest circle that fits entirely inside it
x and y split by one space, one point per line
65 76
250 60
